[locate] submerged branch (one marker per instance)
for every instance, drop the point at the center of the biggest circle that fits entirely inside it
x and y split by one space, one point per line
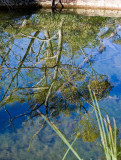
35 135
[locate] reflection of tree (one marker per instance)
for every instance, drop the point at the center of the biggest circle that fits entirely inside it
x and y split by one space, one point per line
45 75
101 87
89 131
19 68
69 81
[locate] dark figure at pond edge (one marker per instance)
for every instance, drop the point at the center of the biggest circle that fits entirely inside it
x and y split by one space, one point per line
53 5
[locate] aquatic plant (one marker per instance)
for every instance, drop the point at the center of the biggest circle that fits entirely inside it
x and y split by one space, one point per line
108 135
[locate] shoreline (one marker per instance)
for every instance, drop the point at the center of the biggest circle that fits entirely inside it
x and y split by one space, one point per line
83 12
68 4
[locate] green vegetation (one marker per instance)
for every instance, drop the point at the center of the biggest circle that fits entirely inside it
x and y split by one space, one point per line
108 135
47 63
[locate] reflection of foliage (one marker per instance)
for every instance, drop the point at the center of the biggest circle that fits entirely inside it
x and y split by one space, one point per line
46 68
40 96
101 87
51 62
15 98
70 94
89 130
79 30
107 33
44 65
117 41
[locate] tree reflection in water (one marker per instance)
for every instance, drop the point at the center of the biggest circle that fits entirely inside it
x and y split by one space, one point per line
41 70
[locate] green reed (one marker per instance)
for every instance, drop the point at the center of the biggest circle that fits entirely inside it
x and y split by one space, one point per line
54 127
108 135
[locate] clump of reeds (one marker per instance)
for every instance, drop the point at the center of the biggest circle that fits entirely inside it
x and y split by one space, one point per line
108 135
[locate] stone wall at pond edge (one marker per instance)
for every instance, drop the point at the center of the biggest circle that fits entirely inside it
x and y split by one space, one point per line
88 4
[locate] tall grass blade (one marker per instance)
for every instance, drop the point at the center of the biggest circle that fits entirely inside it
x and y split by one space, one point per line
98 120
108 136
115 139
69 148
59 134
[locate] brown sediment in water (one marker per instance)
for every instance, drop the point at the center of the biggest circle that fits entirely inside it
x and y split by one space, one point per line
69 4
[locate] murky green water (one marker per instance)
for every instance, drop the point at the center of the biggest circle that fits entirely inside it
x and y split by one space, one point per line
47 63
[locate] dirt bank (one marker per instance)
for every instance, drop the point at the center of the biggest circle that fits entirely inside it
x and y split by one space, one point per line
86 4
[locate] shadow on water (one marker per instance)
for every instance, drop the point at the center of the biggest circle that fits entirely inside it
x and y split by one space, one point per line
46 64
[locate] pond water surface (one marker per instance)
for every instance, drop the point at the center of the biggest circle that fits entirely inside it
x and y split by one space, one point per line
46 64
